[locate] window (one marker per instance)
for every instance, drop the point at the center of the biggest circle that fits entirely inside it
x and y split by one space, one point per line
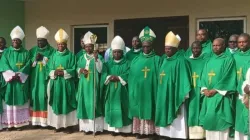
222 27
101 31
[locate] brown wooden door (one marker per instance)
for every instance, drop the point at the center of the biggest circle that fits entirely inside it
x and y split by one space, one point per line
127 28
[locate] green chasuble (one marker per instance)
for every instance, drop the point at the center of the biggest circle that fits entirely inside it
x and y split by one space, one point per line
38 86
86 87
219 73
241 121
2 85
143 80
206 49
130 55
195 100
230 51
16 93
62 89
116 95
80 53
173 86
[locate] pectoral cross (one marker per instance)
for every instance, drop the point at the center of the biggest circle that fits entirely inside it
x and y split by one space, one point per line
239 72
40 66
145 70
19 65
194 78
161 76
60 67
115 85
88 75
211 74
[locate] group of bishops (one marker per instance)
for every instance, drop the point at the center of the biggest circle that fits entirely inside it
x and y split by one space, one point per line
196 94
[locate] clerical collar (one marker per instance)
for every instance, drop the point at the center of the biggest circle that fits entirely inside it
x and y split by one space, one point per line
233 50
16 49
117 61
63 51
137 50
148 53
90 55
2 49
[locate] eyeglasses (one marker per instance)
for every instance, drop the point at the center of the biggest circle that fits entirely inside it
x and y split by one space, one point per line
232 41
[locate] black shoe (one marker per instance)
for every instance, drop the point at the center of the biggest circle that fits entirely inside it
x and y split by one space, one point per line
87 133
138 136
125 134
68 130
19 129
57 130
36 127
115 134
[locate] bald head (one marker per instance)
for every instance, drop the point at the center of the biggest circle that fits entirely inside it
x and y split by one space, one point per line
218 46
202 35
244 42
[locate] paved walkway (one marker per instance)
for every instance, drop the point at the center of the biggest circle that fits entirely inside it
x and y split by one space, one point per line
42 134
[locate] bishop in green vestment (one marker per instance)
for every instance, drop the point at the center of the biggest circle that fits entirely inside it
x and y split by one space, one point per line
61 87
197 61
174 85
116 98
202 36
89 67
15 68
143 80
218 85
136 50
242 57
39 56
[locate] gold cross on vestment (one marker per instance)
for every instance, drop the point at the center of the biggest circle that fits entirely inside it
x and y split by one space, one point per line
145 70
211 74
40 66
194 78
161 76
60 67
239 73
88 75
19 65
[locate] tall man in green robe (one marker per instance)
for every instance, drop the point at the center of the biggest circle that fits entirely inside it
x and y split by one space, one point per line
242 57
136 50
61 91
197 61
143 80
202 36
2 82
174 85
39 56
89 108
218 85
116 91
232 44
15 67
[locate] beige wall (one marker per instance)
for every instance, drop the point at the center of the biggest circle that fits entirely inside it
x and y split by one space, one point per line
55 14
